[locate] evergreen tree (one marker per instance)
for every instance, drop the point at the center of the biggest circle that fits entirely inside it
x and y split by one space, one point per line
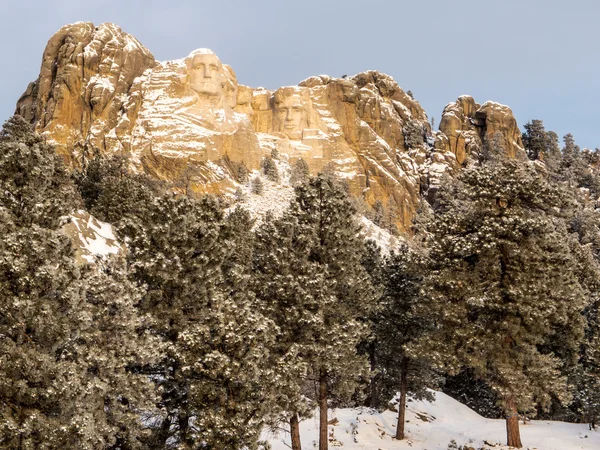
300 173
33 180
401 322
110 191
292 291
552 155
378 213
270 169
504 289
534 139
391 217
257 187
215 376
67 333
242 173
326 217
374 263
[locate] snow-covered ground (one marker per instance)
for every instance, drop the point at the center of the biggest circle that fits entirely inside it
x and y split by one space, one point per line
92 238
276 198
431 426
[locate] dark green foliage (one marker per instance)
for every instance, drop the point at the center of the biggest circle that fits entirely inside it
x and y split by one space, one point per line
535 139
506 288
242 173
67 333
300 173
473 392
327 219
311 283
270 170
34 183
385 216
414 134
378 213
257 186
110 191
291 291
401 321
215 375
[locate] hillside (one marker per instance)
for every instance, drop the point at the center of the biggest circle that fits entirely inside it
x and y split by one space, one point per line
432 426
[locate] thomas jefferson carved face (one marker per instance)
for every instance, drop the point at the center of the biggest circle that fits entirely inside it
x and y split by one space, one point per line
205 73
290 114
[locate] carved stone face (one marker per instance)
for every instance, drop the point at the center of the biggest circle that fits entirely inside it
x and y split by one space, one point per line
206 74
290 116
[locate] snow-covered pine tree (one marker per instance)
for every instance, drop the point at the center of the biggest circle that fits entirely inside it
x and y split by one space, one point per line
300 173
504 290
216 375
269 168
110 191
327 219
257 186
534 139
400 322
67 333
35 185
292 291
373 261
584 377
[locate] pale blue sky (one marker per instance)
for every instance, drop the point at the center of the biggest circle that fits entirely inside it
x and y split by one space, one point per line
540 57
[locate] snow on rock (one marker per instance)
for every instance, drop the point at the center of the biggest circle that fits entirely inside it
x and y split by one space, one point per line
276 197
431 426
91 238
386 241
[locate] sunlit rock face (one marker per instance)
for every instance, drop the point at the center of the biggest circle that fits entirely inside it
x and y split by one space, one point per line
85 77
100 90
467 127
180 115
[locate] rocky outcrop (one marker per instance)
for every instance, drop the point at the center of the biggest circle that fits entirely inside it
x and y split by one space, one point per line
99 89
85 77
92 239
466 127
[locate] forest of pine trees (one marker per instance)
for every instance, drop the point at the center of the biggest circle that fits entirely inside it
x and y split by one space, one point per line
211 327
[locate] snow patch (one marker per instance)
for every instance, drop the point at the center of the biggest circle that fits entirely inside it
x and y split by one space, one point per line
431 426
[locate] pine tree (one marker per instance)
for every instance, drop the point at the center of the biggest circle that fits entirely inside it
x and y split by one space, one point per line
110 191
67 333
552 155
257 187
300 173
291 290
216 372
374 263
378 213
504 290
242 173
400 322
33 180
326 217
391 216
270 169
534 139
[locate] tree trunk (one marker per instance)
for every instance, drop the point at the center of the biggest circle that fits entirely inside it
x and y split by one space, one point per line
513 436
323 442
295 432
373 399
402 402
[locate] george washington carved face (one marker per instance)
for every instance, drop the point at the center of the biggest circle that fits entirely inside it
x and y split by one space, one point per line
206 73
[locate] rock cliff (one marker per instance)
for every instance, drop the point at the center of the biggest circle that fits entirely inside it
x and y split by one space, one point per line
100 90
